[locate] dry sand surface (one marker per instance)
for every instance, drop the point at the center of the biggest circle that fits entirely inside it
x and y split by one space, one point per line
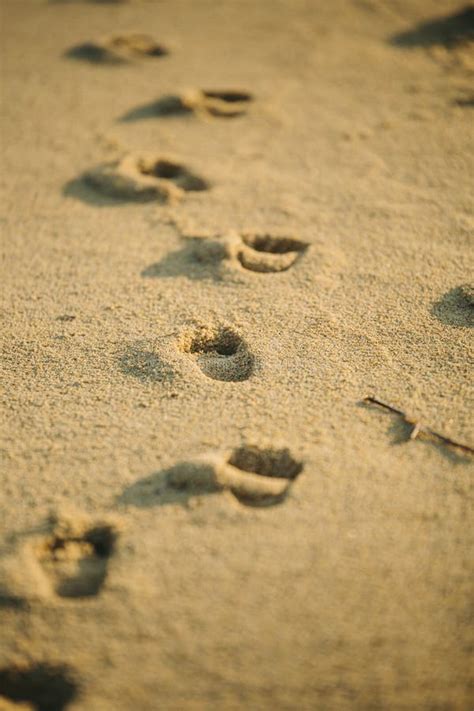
221 233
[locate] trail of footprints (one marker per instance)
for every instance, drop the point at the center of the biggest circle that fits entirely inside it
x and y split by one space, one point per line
72 558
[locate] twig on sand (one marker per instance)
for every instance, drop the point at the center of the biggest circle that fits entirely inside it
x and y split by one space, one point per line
417 428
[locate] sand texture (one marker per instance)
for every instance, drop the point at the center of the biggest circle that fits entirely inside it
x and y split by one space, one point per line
225 225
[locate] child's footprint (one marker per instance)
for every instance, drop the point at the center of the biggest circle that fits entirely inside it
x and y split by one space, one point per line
145 177
220 352
42 687
115 49
76 558
226 104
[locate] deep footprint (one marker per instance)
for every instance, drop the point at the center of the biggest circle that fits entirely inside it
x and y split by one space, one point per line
77 564
220 353
144 178
261 477
268 253
46 687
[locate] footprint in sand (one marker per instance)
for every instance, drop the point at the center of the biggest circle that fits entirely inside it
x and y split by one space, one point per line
215 257
38 687
219 352
260 477
255 476
144 178
223 104
256 252
75 558
116 49
268 253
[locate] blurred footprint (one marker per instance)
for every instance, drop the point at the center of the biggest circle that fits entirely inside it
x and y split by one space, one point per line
140 178
224 104
75 558
255 476
116 49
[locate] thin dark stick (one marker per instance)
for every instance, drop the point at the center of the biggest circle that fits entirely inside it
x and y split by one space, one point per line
417 428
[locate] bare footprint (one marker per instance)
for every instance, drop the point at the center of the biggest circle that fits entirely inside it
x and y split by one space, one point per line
42 687
144 178
216 257
220 353
268 253
260 477
224 104
255 476
76 559
116 49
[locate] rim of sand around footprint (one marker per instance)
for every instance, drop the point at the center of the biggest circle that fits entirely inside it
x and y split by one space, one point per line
145 177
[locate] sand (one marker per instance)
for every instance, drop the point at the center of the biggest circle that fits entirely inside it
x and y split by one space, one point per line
197 509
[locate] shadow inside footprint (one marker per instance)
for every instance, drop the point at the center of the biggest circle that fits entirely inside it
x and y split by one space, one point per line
269 464
177 173
145 365
456 307
230 97
175 485
77 565
449 31
45 686
220 353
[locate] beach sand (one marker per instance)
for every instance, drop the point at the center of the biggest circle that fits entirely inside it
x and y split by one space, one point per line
217 243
